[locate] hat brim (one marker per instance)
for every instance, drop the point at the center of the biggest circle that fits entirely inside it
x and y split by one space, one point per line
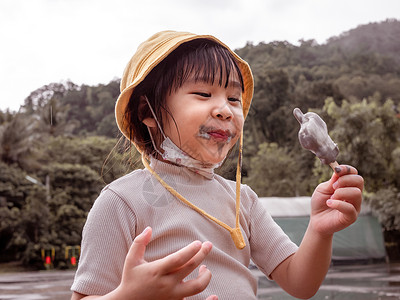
168 43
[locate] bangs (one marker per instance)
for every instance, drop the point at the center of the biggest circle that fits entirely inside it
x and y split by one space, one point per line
202 60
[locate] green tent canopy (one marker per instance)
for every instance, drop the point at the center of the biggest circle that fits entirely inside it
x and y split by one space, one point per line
361 241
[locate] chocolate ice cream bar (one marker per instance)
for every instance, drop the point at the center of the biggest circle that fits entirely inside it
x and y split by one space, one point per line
313 135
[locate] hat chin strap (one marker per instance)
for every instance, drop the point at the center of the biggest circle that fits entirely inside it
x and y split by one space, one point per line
236 233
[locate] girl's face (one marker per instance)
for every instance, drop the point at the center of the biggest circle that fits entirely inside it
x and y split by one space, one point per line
205 119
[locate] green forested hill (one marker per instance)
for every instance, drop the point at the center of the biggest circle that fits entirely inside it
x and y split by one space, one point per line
64 133
381 38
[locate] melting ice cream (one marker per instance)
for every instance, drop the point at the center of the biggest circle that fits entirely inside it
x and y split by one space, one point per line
313 135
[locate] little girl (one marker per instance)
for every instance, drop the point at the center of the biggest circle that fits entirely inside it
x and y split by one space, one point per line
183 101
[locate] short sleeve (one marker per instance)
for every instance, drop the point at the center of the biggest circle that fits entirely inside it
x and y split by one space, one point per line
107 236
269 243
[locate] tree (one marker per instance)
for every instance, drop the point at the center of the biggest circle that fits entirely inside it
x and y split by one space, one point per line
17 141
269 115
52 119
6 116
38 99
275 172
93 109
14 189
34 225
386 203
368 135
102 155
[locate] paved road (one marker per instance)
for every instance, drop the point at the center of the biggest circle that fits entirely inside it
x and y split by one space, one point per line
36 285
362 282
365 282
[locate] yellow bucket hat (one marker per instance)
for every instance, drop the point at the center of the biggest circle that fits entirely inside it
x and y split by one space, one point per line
151 52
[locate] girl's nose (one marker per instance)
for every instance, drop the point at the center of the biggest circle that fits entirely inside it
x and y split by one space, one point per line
223 112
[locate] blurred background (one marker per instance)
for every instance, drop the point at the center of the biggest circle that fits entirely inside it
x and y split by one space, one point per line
61 63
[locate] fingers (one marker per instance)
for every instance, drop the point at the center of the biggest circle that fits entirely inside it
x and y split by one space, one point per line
351 195
348 210
195 261
348 187
181 263
345 169
347 195
197 285
166 275
177 260
135 255
349 181
344 176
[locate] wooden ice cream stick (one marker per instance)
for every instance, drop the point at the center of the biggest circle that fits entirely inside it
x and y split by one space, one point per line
333 165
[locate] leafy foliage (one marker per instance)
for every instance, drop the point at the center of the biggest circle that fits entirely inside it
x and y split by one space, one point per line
59 150
368 135
279 171
386 204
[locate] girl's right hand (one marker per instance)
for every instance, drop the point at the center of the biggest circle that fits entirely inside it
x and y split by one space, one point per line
163 278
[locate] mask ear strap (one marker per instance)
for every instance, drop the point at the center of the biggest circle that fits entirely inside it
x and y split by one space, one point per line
155 118
152 141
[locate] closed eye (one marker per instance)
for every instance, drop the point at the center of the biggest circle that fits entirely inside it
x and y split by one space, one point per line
232 99
206 95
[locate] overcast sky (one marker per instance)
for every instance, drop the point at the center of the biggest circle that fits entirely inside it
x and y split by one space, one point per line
90 41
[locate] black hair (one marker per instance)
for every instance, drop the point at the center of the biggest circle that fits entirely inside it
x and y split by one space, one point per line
200 59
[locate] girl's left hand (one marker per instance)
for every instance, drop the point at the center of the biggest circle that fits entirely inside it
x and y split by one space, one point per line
335 204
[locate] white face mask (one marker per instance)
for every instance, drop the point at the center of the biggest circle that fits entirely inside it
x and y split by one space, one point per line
175 155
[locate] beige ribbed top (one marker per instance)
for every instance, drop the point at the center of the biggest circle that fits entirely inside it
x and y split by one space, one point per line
130 204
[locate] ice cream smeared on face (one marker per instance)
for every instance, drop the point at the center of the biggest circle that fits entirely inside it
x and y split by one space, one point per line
219 135
313 136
